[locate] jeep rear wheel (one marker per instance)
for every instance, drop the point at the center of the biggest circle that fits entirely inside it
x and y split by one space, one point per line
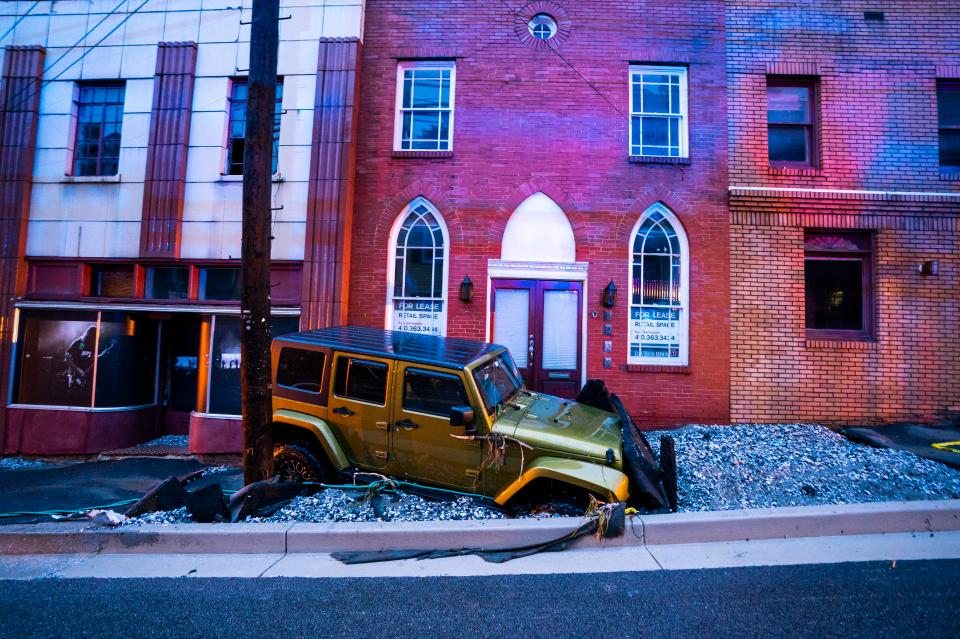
296 462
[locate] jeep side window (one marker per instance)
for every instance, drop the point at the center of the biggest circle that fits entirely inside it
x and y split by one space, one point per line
300 369
432 393
361 379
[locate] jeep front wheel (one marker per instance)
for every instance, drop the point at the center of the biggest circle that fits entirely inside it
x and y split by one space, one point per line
294 462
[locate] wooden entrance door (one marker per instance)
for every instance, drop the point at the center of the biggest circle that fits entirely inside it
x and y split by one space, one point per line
540 322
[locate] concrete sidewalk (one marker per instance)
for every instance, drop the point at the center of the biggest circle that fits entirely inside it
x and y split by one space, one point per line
643 530
730 554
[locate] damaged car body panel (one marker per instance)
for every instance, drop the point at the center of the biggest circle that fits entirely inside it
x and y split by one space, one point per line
438 411
589 476
318 428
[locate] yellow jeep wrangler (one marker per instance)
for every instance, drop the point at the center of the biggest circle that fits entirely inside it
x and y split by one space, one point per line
442 412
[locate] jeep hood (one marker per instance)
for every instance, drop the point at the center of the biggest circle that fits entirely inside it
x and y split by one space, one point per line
562 425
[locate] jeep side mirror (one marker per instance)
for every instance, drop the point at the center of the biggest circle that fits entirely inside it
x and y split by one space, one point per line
461 415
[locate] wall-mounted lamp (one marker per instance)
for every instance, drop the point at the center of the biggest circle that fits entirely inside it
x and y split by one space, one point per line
930 267
466 289
610 295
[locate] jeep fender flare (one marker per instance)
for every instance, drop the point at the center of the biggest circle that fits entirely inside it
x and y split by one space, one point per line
320 430
597 478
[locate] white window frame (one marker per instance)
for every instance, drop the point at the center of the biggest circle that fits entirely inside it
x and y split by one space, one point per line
683 129
392 258
684 306
439 65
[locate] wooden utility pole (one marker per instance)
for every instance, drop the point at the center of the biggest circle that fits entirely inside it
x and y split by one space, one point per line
255 243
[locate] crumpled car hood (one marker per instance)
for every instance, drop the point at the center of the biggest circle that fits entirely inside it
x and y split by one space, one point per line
548 422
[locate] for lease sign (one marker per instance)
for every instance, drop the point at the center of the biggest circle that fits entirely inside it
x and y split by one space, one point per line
424 317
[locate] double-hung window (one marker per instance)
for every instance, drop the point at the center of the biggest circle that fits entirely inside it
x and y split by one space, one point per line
424 120
238 125
838 274
791 122
948 119
658 111
99 110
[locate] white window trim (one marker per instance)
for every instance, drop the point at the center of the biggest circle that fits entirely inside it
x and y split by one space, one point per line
684 358
679 71
398 103
392 257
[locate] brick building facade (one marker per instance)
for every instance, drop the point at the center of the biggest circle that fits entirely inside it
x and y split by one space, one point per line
873 175
529 131
729 211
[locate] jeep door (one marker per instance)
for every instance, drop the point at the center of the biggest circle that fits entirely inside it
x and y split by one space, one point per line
359 410
423 445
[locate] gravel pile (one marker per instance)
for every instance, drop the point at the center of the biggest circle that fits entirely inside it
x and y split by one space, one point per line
334 505
767 465
163 517
179 441
215 470
19 463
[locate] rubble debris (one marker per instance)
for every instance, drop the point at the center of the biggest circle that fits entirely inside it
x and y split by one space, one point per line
594 393
106 517
611 518
768 465
639 464
167 495
940 444
253 498
208 504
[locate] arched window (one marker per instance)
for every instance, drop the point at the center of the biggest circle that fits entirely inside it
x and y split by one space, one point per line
659 295
417 287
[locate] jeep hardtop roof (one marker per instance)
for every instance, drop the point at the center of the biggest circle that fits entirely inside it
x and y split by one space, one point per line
451 352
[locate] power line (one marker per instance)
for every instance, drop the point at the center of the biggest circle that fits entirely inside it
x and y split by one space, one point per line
19 20
567 62
13 100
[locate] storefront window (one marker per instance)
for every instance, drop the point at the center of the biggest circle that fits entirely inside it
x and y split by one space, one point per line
225 360
419 288
63 355
220 283
127 360
225 366
112 281
55 358
167 283
658 299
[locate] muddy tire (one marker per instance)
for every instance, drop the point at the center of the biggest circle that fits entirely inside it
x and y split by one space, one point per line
296 462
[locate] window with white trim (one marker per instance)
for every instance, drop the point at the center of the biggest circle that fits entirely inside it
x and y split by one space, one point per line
424 119
659 295
658 111
417 290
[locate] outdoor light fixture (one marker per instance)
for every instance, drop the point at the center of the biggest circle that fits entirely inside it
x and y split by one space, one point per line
930 267
610 295
466 289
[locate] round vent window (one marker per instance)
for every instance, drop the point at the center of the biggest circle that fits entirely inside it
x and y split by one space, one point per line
542 26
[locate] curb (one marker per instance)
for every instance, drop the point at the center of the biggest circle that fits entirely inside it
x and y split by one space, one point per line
678 528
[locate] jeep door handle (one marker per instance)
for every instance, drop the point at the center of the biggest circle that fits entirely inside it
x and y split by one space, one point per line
343 410
407 424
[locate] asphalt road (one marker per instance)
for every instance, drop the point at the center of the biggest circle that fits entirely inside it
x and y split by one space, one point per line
870 600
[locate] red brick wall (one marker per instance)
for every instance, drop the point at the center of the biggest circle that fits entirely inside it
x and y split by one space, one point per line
526 122
878 126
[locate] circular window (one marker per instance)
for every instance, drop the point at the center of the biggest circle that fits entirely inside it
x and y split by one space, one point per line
542 26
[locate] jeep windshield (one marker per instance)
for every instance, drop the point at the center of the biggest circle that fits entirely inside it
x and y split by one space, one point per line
498 380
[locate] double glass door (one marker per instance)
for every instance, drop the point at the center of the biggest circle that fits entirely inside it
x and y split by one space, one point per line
540 322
